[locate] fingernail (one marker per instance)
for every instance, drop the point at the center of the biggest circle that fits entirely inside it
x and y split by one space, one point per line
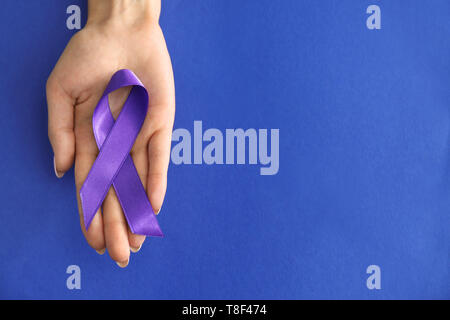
157 212
122 264
100 252
58 174
134 250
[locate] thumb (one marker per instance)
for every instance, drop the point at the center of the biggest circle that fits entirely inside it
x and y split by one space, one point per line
60 126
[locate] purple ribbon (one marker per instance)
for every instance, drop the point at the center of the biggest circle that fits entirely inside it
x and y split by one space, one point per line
114 165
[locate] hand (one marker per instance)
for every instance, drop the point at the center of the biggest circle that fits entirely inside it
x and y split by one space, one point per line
118 35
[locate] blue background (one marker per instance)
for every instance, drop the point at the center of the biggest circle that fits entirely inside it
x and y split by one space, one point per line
364 156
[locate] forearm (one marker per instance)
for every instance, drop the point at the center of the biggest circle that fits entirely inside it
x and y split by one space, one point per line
123 11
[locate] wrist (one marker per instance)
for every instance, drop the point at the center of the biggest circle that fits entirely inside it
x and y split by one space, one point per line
123 12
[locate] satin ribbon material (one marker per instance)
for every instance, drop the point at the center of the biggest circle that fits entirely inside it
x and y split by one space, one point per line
114 165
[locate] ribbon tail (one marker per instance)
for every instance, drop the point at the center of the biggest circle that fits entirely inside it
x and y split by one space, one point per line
135 204
89 205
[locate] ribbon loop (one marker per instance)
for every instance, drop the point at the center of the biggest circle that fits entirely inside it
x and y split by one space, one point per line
114 165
